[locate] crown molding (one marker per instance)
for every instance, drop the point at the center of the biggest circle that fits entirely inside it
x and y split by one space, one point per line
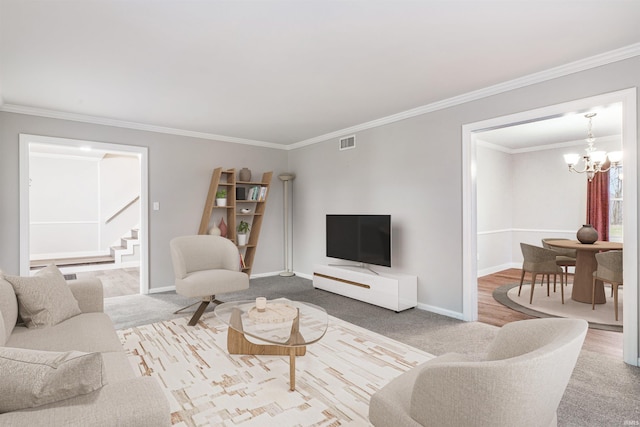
542 76
41 112
576 143
552 73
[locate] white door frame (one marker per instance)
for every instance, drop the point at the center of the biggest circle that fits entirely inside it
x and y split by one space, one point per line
26 139
631 338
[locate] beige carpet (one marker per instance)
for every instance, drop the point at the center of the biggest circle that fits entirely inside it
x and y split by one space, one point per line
552 305
208 387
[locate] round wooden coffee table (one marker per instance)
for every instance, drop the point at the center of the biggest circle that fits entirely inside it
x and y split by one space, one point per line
286 328
586 264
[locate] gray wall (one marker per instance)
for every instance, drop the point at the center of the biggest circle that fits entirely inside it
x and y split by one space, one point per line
179 173
412 170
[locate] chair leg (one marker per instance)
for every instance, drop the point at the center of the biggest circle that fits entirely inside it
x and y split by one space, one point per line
593 293
521 280
614 288
533 285
562 287
199 312
184 308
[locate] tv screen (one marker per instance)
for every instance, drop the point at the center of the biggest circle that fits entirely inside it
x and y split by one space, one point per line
360 238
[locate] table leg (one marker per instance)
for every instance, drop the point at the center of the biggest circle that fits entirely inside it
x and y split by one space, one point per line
292 369
586 264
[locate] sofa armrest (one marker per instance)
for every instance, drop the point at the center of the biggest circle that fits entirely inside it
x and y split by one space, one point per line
89 294
136 402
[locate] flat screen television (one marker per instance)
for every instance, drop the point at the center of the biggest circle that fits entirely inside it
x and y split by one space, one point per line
361 238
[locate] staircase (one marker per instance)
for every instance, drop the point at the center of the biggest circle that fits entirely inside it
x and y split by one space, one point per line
128 251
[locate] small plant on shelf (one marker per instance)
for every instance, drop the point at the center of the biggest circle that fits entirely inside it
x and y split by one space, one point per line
243 229
221 197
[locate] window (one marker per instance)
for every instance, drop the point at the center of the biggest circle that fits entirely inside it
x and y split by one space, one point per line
615 204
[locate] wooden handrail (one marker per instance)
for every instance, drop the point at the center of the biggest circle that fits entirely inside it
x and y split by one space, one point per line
122 209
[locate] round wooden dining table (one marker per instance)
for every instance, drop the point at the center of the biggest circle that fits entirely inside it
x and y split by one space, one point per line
586 264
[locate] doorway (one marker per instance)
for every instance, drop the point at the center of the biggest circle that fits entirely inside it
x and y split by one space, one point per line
630 225
91 209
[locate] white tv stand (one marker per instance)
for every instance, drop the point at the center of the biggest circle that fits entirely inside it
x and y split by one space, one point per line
396 292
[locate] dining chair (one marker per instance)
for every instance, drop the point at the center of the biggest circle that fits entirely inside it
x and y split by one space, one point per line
609 270
539 260
565 258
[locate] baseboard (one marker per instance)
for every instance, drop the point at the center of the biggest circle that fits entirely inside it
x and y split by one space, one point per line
491 270
163 289
273 273
305 276
438 310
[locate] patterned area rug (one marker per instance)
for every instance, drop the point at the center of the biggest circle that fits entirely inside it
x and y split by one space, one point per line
208 387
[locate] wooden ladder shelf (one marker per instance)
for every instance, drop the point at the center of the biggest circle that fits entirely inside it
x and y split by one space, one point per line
231 213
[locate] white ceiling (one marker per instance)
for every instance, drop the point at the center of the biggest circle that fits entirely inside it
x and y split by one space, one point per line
284 72
566 130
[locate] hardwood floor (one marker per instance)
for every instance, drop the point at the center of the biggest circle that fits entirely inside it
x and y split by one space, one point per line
492 312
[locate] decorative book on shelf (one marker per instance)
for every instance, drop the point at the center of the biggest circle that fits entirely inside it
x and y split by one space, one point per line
246 199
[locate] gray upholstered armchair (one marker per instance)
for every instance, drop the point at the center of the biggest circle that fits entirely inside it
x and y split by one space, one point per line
520 382
205 266
539 260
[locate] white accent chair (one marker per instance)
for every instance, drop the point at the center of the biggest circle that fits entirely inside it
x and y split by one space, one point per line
520 381
204 267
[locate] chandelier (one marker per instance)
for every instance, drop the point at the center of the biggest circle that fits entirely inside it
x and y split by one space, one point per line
594 160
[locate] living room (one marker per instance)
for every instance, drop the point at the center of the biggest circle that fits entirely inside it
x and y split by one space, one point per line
412 164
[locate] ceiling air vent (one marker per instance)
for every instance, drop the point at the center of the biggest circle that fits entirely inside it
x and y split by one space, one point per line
347 142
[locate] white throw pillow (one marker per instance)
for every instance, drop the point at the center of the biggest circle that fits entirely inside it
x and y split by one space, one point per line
30 378
44 299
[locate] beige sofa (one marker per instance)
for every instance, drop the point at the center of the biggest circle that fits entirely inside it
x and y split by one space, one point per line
124 400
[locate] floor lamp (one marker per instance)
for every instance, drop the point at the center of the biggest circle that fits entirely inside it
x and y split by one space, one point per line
285 178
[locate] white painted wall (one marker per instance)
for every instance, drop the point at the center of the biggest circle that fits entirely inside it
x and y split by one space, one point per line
64 197
119 184
495 209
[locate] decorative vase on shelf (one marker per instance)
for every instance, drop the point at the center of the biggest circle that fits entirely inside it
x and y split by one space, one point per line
242 239
214 230
223 228
245 174
587 234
